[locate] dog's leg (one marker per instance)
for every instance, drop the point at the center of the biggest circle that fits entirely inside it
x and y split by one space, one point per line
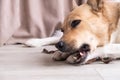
44 41
111 50
115 38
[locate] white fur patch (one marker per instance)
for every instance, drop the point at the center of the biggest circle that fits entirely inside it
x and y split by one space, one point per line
111 50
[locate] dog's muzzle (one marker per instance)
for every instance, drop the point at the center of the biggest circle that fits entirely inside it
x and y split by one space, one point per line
80 53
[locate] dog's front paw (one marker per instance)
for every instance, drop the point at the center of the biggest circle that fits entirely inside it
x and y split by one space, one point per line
59 56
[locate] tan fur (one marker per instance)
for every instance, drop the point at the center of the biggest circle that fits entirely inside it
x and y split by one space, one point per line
98 22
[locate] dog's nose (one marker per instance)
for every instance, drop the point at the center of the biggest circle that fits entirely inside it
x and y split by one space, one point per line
85 47
61 46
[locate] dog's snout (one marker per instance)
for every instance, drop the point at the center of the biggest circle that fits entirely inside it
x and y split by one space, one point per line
85 47
61 46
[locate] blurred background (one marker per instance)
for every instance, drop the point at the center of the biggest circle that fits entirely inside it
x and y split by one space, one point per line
24 19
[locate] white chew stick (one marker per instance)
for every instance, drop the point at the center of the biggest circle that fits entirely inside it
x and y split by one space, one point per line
110 50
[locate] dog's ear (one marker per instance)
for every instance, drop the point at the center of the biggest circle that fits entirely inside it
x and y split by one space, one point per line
95 4
74 4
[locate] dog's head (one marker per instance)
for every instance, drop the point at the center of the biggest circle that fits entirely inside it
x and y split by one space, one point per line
85 28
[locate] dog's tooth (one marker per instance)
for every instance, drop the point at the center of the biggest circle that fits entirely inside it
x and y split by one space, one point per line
81 54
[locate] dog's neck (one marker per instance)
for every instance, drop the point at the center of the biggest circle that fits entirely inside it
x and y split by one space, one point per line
110 11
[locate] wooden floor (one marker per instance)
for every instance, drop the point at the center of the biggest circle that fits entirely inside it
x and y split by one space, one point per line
21 63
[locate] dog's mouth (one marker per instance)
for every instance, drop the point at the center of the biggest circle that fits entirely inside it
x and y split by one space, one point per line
81 54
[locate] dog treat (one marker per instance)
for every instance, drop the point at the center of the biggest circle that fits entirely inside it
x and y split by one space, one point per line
92 60
48 52
74 59
60 56
77 57
106 60
80 57
118 58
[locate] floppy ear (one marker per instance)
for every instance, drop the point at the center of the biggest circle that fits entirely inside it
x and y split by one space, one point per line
74 4
95 4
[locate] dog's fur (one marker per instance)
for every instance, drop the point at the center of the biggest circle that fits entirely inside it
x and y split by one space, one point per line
98 25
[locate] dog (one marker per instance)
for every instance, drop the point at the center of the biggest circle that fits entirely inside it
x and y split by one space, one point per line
87 27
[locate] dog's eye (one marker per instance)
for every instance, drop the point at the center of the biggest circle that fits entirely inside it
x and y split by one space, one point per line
75 23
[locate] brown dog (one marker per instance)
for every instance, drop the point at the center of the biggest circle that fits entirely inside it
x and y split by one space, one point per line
87 27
